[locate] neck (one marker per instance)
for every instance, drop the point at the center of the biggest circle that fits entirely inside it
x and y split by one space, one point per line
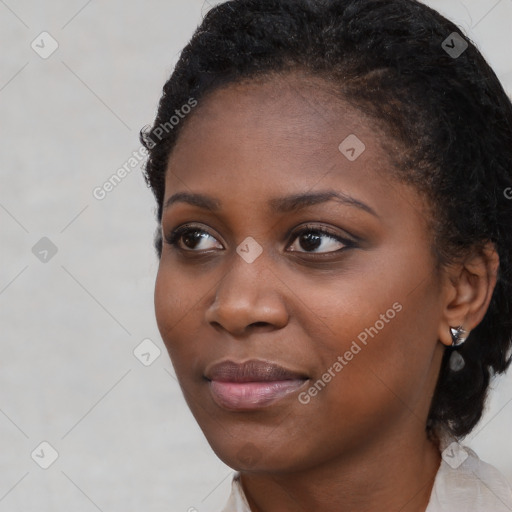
396 473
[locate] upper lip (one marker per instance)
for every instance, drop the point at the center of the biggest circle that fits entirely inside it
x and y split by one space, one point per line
254 370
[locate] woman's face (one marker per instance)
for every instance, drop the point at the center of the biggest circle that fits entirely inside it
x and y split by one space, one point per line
302 253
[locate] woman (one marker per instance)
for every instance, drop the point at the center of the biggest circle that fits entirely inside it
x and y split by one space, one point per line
333 187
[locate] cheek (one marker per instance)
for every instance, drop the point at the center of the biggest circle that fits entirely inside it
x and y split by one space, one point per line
386 367
173 302
180 302
166 302
385 335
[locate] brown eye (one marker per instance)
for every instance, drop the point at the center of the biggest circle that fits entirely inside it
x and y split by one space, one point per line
311 239
192 238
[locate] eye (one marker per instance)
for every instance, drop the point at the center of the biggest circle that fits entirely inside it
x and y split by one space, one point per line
312 238
192 237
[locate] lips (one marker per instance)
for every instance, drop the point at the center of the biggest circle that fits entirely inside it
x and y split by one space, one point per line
251 371
252 384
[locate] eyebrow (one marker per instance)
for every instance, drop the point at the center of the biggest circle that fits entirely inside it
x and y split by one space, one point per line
286 204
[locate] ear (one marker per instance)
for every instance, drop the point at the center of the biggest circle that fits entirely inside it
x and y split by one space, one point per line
467 290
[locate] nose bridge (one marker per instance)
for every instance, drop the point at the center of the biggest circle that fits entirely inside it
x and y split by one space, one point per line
247 294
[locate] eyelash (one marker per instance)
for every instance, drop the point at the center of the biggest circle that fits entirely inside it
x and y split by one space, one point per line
175 235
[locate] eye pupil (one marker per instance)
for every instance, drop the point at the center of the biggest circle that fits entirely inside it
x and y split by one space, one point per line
311 241
193 236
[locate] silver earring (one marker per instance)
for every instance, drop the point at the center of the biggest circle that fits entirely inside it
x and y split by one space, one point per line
459 335
456 362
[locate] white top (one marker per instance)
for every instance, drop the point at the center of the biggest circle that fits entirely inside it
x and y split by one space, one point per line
463 483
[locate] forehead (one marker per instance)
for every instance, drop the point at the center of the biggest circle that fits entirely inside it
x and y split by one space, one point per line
303 106
267 138
295 118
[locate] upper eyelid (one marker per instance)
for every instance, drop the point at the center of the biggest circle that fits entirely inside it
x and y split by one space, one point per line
321 229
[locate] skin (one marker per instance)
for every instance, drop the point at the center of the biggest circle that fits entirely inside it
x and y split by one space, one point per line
360 443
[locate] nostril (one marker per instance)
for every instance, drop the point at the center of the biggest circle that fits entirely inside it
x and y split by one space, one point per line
259 324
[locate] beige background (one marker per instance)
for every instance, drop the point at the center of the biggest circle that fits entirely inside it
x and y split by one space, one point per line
68 375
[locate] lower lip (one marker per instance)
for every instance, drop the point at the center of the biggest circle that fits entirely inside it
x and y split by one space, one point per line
252 395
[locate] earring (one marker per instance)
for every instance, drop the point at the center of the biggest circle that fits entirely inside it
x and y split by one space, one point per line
459 335
456 362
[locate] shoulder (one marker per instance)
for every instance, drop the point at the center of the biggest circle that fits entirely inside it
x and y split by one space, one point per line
465 482
237 501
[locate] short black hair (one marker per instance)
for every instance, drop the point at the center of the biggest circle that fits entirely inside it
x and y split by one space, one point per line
448 111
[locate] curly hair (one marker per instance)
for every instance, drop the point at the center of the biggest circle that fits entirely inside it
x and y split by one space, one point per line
449 114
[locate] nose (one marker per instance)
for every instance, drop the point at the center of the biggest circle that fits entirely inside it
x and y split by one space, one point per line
247 297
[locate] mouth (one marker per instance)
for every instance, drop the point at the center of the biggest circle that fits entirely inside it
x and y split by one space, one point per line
252 384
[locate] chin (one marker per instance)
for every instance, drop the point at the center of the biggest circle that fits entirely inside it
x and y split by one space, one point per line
249 453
